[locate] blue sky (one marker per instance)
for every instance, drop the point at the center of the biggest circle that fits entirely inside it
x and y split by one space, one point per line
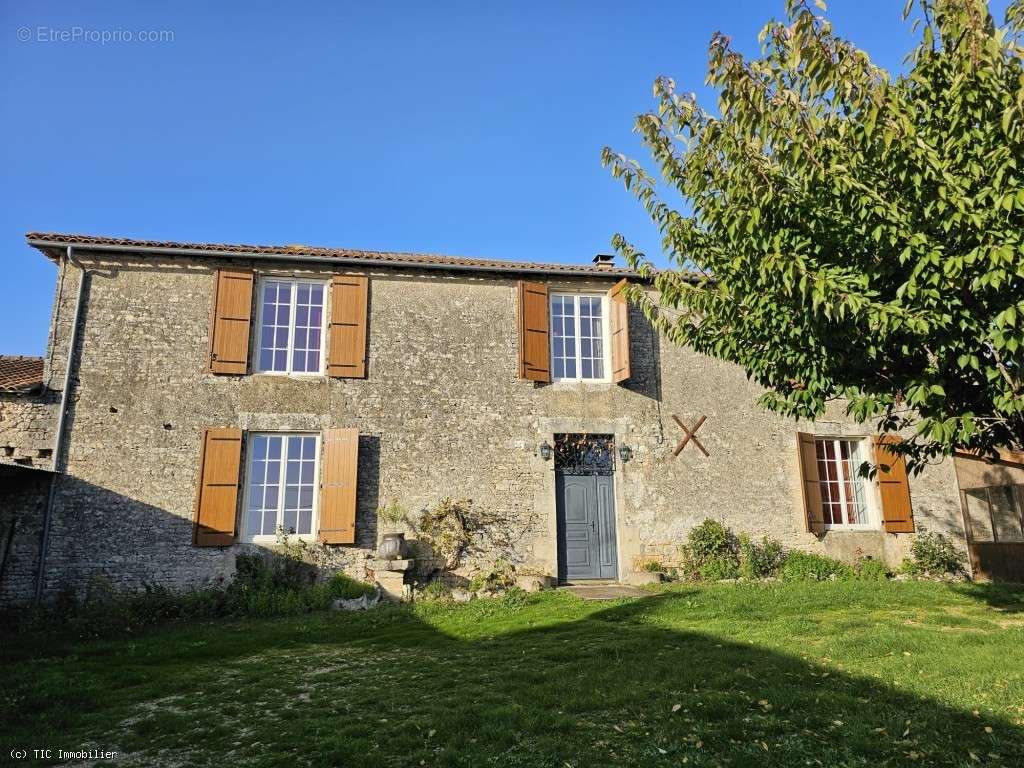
466 128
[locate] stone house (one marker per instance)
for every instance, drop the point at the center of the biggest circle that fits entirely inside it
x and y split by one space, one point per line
195 399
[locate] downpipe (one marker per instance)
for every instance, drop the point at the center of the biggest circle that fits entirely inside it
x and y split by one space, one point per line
58 440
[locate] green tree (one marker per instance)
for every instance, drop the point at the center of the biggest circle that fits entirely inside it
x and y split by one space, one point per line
847 234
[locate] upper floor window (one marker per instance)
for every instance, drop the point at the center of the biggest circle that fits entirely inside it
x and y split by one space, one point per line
578 345
280 486
844 493
291 326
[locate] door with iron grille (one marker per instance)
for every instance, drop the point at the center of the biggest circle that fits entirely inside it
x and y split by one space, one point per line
585 505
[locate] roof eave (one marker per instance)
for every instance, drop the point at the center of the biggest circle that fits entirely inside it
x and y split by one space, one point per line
43 245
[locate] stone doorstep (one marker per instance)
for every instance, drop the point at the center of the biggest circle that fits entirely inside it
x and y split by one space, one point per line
642 578
378 565
392 585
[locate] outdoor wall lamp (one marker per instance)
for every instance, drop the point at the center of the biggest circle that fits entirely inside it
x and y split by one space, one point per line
544 450
625 453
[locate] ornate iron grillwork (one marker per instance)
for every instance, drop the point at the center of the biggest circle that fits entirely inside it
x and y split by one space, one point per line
585 454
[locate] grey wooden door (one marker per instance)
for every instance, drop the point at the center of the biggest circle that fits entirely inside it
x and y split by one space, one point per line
586 527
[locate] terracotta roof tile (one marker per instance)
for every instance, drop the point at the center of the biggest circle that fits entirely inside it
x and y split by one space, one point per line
20 374
44 240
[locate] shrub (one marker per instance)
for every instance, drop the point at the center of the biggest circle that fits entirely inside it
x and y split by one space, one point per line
347 588
501 576
934 555
868 569
805 566
392 515
436 591
448 529
719 567
759 561
653 566
711 552
514 599
711 539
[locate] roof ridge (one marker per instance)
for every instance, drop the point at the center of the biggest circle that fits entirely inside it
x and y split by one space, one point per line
43 240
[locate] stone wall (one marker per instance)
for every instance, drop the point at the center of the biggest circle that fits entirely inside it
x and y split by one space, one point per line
21 526
27 428
441 413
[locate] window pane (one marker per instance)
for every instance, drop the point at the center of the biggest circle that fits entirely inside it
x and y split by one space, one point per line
290 341
1005 517
977 514
290 521
264 473
843 491
259 447
308 322
275 315
590 338
563 330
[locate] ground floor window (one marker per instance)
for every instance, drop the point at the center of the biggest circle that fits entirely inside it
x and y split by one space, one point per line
280 485
844 493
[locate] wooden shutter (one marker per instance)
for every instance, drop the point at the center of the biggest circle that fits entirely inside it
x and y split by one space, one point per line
893 487
618 311
232 313
338 474
346 357
814 518
534 350
217 495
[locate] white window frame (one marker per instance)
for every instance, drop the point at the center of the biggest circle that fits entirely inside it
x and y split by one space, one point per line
257 341
314 527
872 520
606 363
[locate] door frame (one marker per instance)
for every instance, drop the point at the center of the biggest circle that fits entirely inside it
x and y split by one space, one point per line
559 529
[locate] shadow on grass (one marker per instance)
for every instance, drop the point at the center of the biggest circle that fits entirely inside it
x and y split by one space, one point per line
610 686
1008 598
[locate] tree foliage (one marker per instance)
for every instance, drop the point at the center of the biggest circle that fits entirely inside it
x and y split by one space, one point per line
847 233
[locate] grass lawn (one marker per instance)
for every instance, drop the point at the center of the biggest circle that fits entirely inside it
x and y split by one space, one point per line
836 674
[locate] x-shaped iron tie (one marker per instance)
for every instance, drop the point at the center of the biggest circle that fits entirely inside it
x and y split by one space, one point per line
689 434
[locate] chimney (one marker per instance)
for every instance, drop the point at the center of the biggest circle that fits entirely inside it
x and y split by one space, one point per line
604 261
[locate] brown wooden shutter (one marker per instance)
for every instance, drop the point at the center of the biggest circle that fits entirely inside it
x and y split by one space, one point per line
338 475
217 495
894 488
346 357
534 350
814 518
618 311
232 313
